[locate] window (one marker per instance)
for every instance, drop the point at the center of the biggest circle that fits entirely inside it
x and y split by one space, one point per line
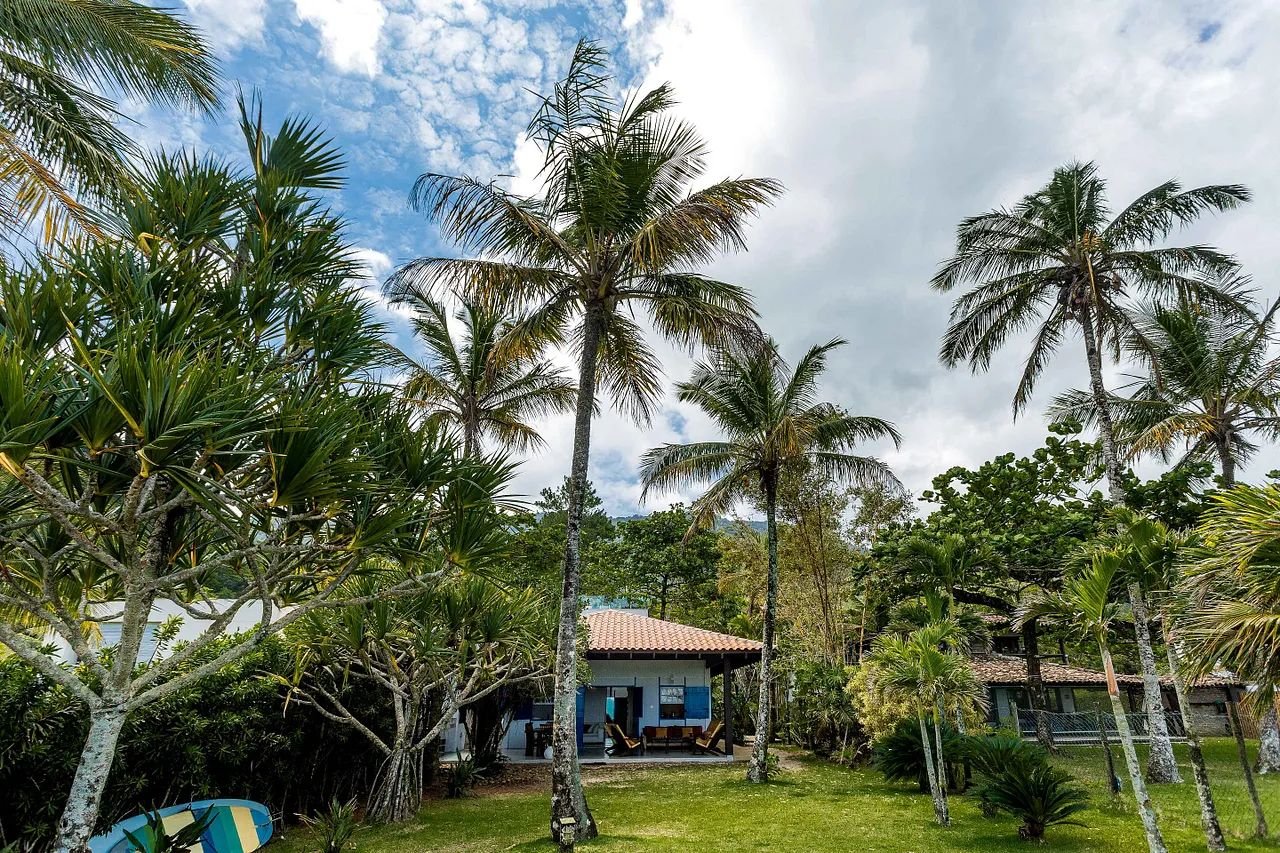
542 710
1006 645
671 702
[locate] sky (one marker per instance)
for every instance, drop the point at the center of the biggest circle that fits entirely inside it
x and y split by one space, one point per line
887 122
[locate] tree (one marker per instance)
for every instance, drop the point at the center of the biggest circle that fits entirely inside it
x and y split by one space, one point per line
652 561
1210 386
485 386
60 147
920 671
616 230
1085 602
774 425
536 550
1058 261
456 642
1149 555
180 412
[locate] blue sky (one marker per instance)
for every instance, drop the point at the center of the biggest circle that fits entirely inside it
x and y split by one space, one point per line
888 123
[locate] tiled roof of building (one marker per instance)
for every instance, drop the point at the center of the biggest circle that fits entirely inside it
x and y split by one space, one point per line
619 631
1004 669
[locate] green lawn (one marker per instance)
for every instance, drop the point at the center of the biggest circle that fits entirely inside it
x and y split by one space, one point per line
814 807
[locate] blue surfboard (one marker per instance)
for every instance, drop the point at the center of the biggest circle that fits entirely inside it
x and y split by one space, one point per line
237 826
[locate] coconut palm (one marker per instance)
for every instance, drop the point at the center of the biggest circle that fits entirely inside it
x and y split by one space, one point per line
617 231
918 670
1058 261
480 385
1210 386
1085 602
60 146
773 425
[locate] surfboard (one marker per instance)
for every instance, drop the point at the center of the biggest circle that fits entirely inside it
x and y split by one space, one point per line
238 826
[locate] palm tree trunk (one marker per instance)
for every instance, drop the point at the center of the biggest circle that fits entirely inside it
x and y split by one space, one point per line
1227 462
1101 403
1161 767
568 800
938 719
1269 742
1035 684
936 790
1260 828
85 798
1155 841
758 768
1208 810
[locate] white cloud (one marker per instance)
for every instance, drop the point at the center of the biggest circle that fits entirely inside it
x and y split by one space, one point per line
349 30
229 23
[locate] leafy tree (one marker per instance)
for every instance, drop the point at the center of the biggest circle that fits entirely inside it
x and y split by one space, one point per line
652 560
483 385
458 642
1058 261
60 146
774 425
537 539
1086 602
189 404
1210 385
616 231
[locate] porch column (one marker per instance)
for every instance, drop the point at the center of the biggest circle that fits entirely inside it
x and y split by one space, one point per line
728 708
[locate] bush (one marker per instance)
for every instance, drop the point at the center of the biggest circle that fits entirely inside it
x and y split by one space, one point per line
1018 779
899 755
335 825
459 778
228 735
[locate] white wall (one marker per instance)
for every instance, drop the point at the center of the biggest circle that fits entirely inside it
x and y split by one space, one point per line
246 617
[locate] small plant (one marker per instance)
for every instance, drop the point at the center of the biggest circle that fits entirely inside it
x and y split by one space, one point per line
460 778
335 825
1028 787
154 838
900 756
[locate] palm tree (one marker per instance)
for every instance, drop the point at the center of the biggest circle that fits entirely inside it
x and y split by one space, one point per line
59 143
1085 602
774 426
482 385
1058 261
1150 554
616 230
1210 385
919 671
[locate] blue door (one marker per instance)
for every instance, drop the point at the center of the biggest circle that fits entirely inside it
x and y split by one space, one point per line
582 712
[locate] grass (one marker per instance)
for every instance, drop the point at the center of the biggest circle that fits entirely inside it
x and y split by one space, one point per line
814 806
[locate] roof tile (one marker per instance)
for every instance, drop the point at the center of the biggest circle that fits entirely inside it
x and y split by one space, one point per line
620 631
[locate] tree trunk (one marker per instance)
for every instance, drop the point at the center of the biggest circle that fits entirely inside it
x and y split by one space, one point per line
1227 462
1035 684
1113 781
1155 841
80 814
568 800
1269 742
1161 766
1101 403
938 719
1260 829
936 790
758 768
397 795
1208 810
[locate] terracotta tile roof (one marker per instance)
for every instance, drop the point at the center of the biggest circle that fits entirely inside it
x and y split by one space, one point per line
1004 669
618 631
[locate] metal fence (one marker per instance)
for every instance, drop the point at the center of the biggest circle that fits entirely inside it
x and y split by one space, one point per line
1088 726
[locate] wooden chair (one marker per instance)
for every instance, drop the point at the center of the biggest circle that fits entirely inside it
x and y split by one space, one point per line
622 745
706 743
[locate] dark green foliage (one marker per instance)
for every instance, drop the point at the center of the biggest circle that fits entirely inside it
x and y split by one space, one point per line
459 778
899 755
229 735
335 825
154 838
821 716
1018 779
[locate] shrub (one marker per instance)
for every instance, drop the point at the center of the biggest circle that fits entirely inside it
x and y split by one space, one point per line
899 755
335 825
459 778
1019 780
